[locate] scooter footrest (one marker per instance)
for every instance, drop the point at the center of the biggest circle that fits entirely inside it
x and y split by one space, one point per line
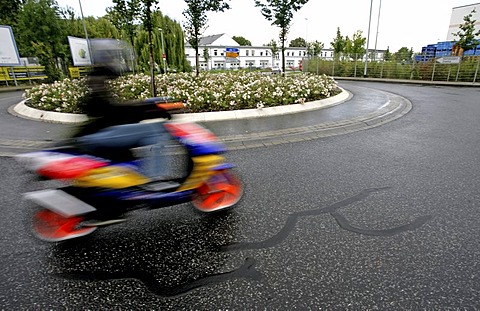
160 185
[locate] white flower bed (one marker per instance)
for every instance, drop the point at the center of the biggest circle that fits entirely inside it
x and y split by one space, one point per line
62 96
207 92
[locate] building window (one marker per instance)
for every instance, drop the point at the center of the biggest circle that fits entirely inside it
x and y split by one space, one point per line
261 53
253 52
246 52
215 52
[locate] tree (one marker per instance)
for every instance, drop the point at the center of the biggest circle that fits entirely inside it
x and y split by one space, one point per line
338 44
196 15
124 15
242 41
403 55
274 49
314 48
174 41
348 47
172 44
387 56
41 32
299 42
9 10
280 13
355 47
467 34
100 27
96 27
206 56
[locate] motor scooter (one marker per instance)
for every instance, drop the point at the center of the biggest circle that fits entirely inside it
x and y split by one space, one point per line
102 180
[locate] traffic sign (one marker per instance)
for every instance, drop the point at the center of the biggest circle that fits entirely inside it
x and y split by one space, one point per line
232 54
449 60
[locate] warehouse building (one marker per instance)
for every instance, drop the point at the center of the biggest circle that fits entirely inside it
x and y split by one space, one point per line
447 48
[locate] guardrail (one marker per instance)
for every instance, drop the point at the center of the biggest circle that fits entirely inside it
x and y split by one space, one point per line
22 73
15 74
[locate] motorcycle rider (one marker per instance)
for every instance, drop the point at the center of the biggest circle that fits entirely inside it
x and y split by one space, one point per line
113 131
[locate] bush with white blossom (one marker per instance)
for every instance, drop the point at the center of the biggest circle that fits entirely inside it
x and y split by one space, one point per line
67 95
207 92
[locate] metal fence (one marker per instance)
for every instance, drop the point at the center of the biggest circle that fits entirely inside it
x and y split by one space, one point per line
14 75
466 70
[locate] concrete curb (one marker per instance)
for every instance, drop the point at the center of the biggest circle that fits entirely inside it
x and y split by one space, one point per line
263 112
24 111
394 108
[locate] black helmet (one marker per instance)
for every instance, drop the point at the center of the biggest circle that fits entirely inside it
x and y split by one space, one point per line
112 55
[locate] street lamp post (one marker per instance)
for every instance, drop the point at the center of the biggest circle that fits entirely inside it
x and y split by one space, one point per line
378 24
86 34
368 40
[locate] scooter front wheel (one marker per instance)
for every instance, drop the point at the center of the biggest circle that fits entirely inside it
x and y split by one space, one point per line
52 227
221 191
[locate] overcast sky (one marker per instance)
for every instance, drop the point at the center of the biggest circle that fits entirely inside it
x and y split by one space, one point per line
406 23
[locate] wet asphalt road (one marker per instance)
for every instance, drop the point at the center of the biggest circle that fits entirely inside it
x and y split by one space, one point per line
382 219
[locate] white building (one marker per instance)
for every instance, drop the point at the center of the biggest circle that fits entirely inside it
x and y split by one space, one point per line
248 56
458 13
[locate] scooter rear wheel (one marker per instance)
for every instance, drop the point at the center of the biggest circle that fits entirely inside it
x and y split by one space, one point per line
221 191
52 227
